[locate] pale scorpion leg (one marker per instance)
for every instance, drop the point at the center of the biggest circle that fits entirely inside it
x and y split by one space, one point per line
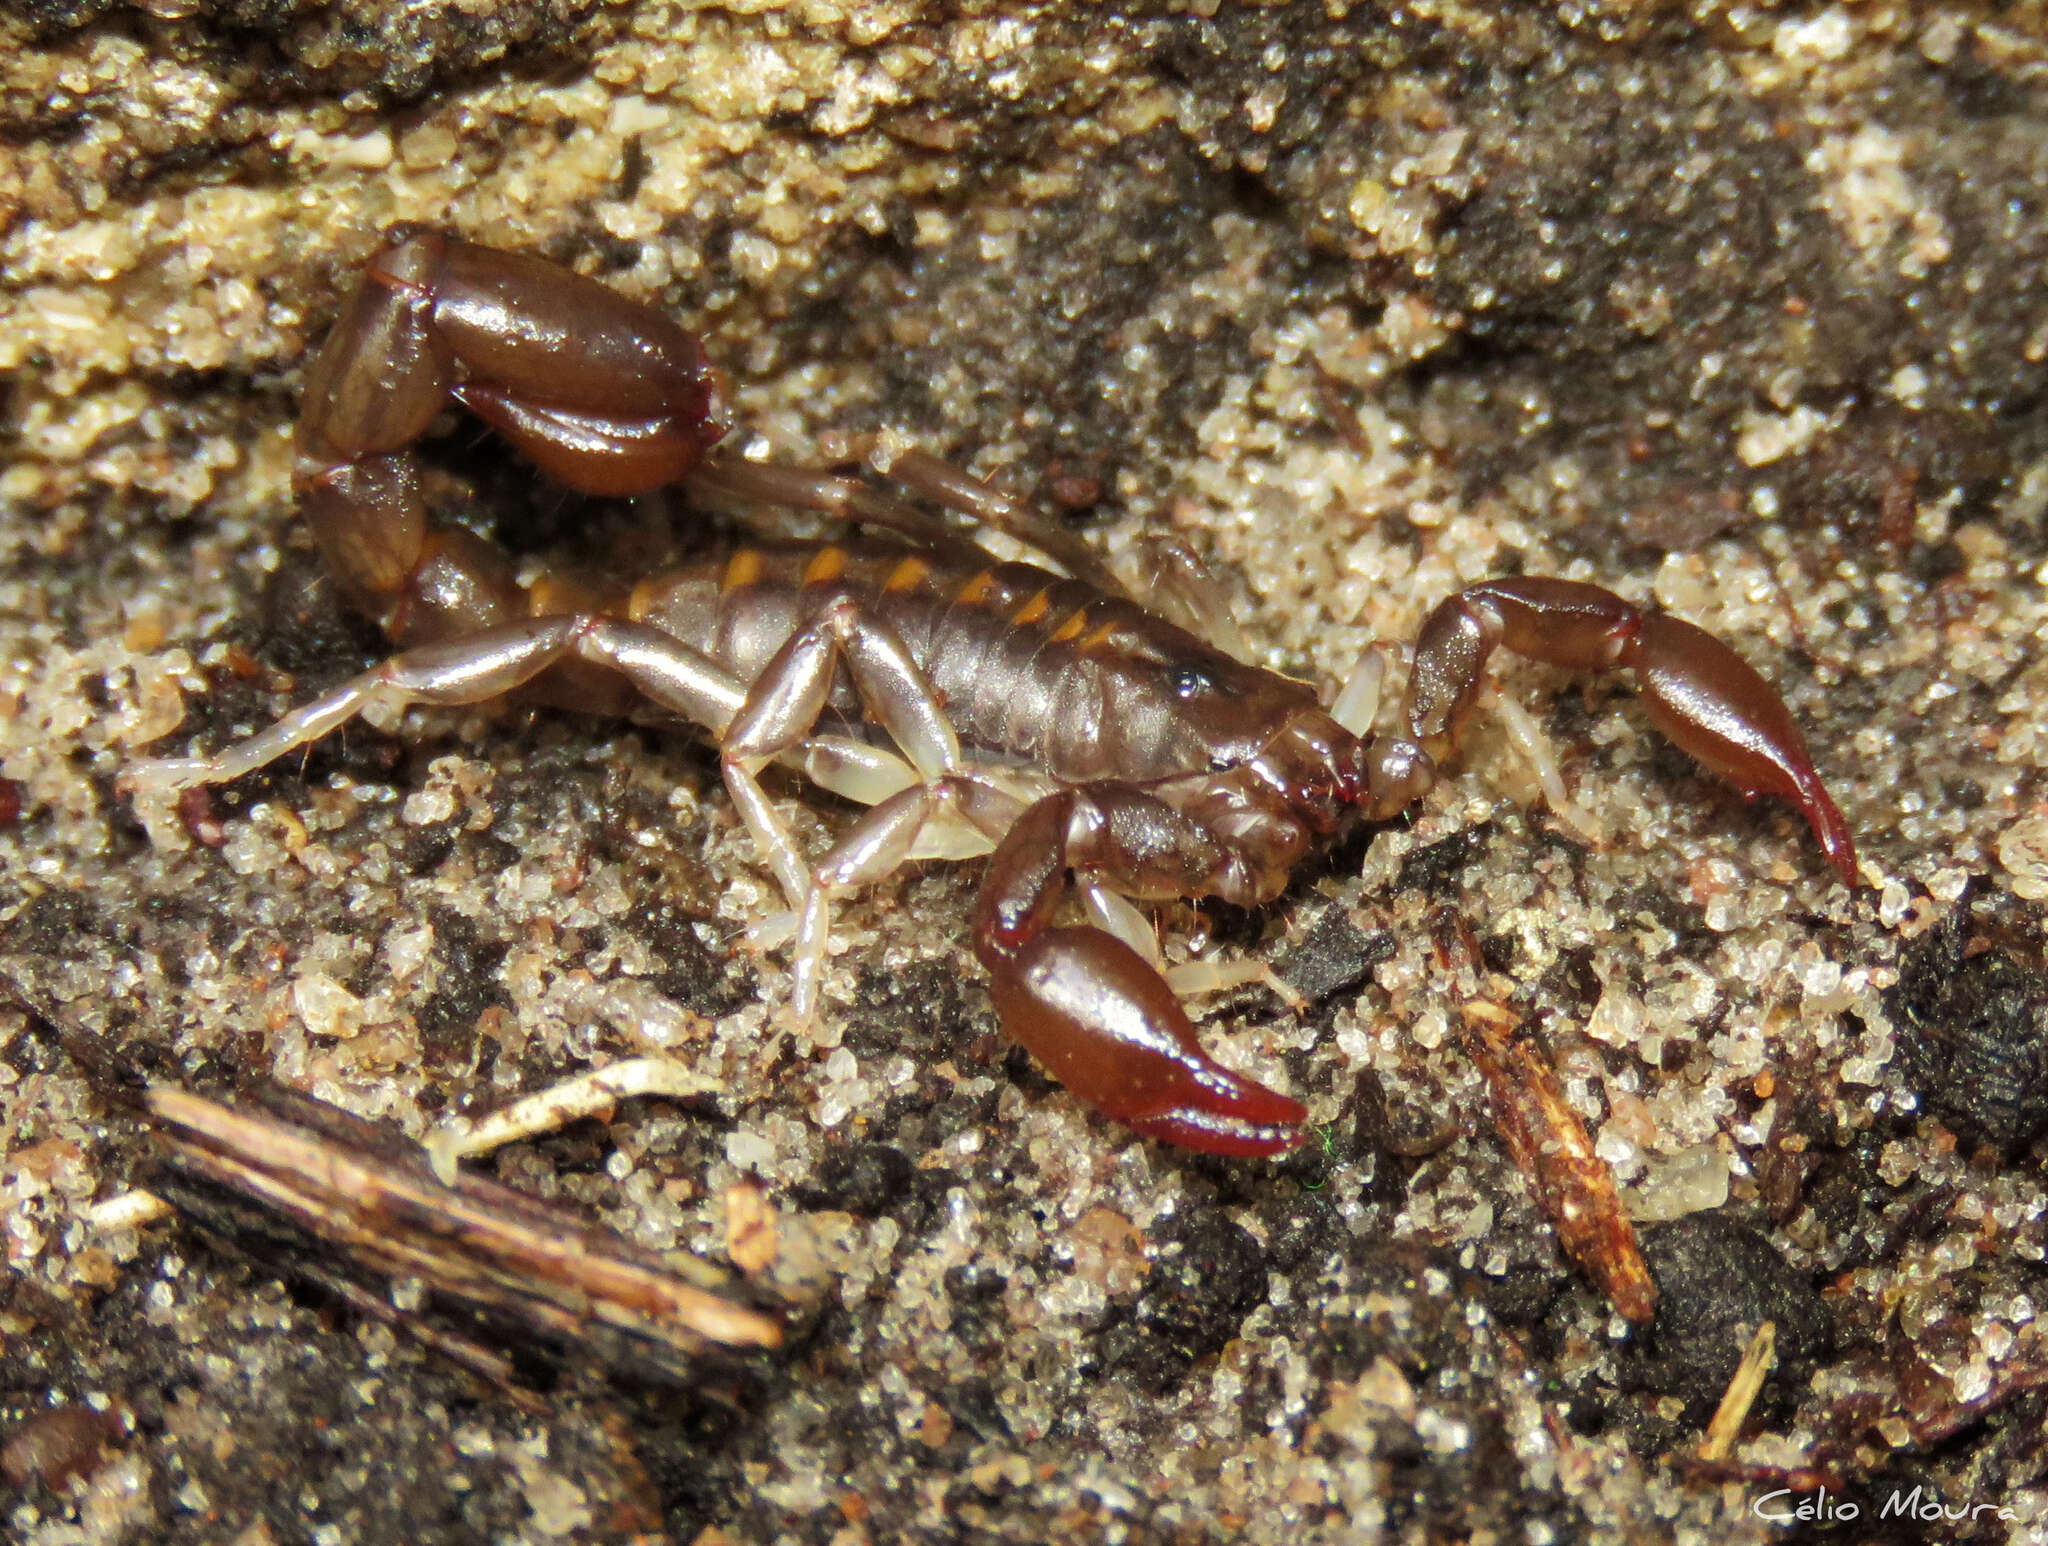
1357 704
984 505
956 816
854 770
759 724
1090 1007
1116 915
473 670
1703 696
782 708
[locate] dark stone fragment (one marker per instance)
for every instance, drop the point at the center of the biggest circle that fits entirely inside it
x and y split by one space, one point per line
427 849
972 1404
1691 937
922 1010
1717 1280
1305 1232
1434 870
1524 1294
466 985
1973 1016
1415 1324
976 1289
863 1178
48 924
305 626
692 973
1572 980
1194 1299
1334 955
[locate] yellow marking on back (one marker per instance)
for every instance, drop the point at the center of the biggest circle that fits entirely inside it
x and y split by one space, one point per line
548 596
976 590
907 575
641 598
1098 639
1032 610
827 565
558 595
1075 622
741 570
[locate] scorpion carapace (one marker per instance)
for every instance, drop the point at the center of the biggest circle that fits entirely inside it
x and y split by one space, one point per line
1030 711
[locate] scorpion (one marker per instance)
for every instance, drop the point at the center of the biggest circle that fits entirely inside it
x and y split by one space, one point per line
1031 711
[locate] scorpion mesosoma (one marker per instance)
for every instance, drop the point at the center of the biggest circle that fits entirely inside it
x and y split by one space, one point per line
1041 715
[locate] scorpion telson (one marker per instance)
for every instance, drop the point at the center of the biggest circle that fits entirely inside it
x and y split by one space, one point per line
1030 711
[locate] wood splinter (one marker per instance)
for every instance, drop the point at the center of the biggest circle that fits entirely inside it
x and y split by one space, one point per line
348 1205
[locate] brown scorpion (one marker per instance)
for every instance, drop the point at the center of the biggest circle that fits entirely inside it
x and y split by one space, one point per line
1035 711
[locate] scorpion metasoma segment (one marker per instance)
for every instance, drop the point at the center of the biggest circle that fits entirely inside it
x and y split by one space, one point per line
1032 711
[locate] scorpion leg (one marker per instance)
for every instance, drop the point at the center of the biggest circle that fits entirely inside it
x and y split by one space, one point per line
474 669
1086 1004
921 810
953 489
779 713
1114 914
1174 582
956 816
1698 691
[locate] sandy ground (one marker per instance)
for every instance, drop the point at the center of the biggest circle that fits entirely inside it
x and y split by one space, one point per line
1738 312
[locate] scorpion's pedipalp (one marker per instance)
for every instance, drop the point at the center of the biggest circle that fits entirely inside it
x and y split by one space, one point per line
1104 1023
597 453
1706 698
380 380
537 330
1089 1007
1709 701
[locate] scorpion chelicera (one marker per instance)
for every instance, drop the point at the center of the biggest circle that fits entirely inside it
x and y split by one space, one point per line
1036 711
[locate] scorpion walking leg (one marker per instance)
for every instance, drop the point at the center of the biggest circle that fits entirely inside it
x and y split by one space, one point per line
1089 1006
952 817
1699 692
923 820
472 670
1173 581
948 486
1114 914
779 714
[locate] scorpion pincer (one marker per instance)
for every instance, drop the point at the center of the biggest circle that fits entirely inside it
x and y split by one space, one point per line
1030 711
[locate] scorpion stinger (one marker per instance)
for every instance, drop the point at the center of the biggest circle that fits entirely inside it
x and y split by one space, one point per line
973 705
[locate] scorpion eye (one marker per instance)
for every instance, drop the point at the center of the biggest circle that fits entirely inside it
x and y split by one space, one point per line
1191 682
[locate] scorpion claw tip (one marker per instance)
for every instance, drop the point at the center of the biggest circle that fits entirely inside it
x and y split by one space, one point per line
1227 1113
1829 829
1214 1133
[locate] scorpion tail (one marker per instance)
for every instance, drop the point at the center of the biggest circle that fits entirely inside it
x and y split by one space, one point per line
1106 1026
